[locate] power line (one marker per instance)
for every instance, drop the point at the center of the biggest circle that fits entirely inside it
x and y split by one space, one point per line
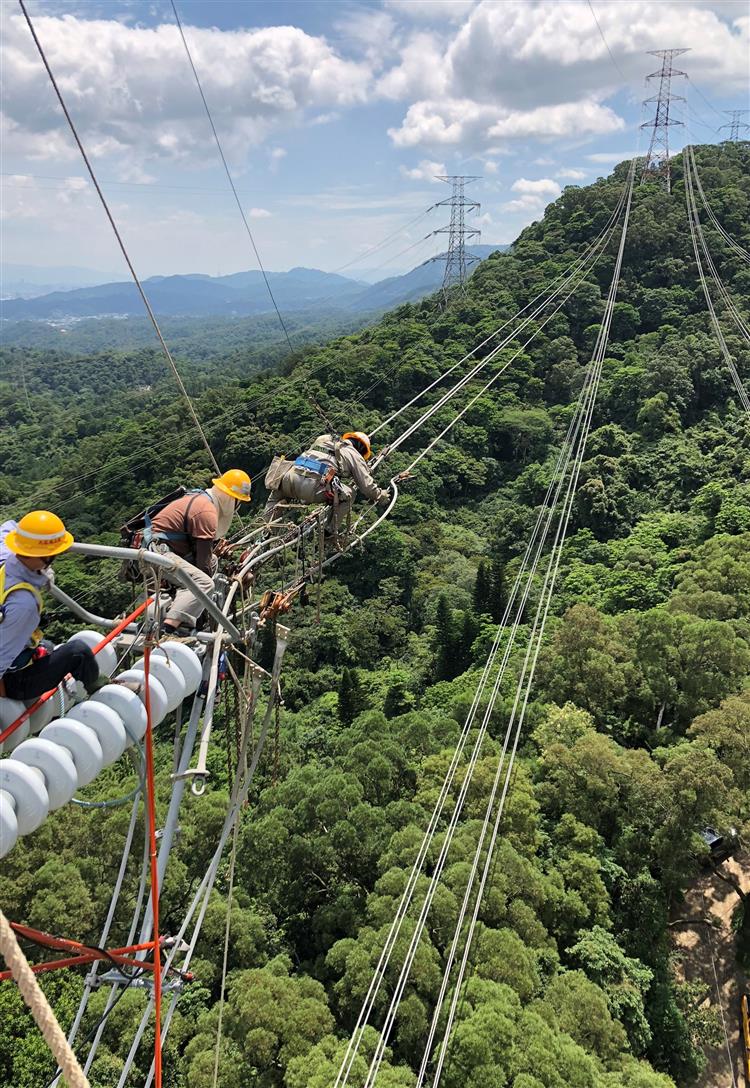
606 43
700 92
229 175
118 236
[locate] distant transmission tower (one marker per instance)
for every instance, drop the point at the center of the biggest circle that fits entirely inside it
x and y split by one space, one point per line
657 159
736 125
457 260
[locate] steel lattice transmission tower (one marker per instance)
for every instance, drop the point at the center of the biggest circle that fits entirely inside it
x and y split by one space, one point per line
457 260
657 159
736 125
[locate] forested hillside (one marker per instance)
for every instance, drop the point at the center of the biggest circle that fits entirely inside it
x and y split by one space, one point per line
637 738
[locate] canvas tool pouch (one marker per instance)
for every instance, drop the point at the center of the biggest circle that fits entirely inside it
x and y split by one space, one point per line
276 473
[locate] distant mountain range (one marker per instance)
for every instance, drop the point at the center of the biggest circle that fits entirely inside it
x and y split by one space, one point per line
238 295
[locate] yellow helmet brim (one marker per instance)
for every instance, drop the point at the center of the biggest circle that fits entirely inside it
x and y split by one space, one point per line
218 482
37 549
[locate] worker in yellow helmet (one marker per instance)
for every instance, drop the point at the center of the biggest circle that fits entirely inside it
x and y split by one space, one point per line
317 476
27 670
187 529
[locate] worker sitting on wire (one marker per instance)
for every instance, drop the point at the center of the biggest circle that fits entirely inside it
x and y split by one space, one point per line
316 477
27 668
186 529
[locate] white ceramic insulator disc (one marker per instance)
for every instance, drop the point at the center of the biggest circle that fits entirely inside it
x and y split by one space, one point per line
53 708
81 742
128 707
186 659
170 677
10 709
55 763
26 787
159 701
8 824
106 659
107 724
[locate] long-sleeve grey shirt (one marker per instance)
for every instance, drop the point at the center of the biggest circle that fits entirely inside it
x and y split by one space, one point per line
21 607
351 465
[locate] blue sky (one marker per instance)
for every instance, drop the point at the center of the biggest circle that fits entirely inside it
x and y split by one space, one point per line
334 117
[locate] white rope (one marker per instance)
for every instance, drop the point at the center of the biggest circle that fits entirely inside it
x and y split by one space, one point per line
44 1017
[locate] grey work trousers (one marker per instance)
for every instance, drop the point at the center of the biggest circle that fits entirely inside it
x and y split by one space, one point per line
308 490
186 608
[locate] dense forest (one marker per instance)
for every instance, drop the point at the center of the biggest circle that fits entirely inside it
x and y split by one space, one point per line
638 735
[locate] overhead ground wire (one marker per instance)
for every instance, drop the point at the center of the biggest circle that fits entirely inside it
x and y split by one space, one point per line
228 173
118 236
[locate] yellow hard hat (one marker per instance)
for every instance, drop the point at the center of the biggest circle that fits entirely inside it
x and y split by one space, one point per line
38 534
363 440
235 483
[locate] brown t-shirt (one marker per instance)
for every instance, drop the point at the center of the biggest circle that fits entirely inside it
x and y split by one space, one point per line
201 522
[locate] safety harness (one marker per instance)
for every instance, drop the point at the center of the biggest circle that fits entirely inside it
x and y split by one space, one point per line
26 655
149 536
329 474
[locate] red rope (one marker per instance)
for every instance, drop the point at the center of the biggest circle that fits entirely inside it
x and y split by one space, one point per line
99 646
154 863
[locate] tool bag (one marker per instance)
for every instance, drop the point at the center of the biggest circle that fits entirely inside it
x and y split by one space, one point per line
276 473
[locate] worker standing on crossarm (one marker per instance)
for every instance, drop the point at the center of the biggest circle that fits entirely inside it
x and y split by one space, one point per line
186 530
27 669
317 477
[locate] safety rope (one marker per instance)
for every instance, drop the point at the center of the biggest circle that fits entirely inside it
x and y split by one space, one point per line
44 1017
118 236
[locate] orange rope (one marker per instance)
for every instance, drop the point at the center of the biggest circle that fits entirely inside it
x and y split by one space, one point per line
154 866
99 646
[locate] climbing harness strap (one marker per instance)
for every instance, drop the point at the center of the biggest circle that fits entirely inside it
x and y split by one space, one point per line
5 593
312 465
26 655
166 535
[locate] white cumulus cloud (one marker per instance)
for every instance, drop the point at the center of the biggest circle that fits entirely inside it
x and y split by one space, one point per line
131 92
260 213
425 171
572 173
539 187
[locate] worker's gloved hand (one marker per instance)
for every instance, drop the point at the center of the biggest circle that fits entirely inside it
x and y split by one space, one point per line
384 497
